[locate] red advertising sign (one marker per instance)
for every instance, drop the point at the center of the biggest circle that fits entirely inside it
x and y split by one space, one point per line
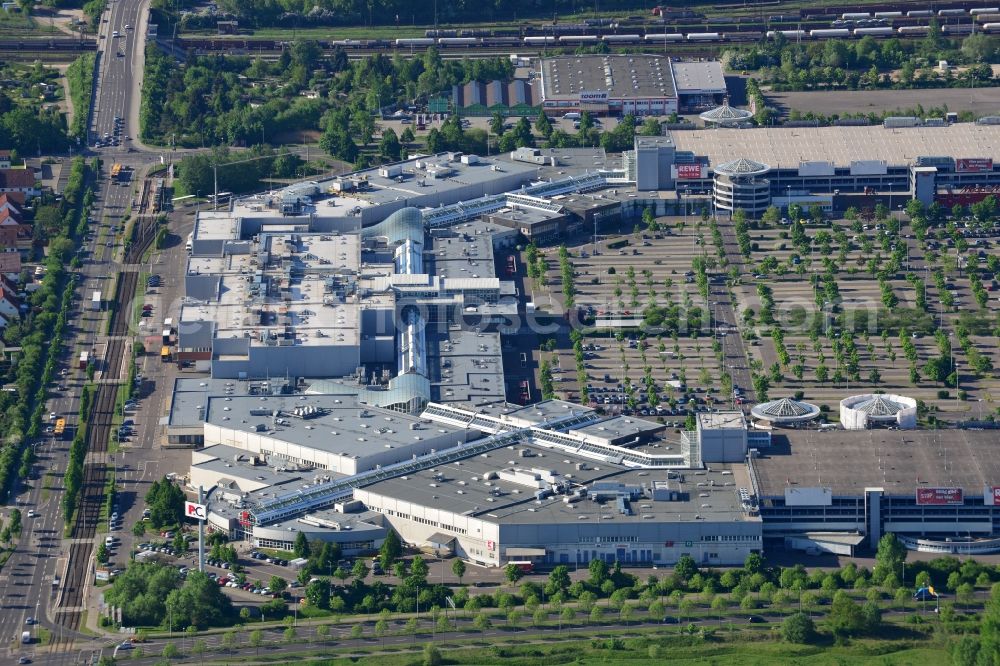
689 171
973 164
994 494
938 496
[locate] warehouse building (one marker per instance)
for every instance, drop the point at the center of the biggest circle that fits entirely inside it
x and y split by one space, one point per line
605 85
517 98
640 84
701 84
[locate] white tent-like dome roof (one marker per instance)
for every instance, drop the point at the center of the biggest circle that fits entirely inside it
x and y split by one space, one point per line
725 115
879 406
742 167
878 409
785 410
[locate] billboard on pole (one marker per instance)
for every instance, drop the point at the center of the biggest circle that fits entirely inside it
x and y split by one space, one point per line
939 496
194 510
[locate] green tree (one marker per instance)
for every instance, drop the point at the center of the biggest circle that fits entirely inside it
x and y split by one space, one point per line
798 628
512 573
391 550
846 617
431 655
277 584
166 503
359 570
542 124
482 622
301 547
965 651
496 123
889 557
458 568
685 567
389 147
318 594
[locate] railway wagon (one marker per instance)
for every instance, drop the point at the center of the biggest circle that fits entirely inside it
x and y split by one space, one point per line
788 34
830 32
459 41
546 40
664 37
414 41
874 32
623 39
704 37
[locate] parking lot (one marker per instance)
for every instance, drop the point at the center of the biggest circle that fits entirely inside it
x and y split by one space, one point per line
886 285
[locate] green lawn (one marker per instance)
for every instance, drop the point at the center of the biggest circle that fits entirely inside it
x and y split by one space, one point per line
19 25
737 650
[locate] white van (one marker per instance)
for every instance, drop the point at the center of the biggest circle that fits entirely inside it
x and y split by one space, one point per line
25 637
572 115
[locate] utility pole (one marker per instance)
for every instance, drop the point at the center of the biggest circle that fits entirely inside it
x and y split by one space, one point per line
201 533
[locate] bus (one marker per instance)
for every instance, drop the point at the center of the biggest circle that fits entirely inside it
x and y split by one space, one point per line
60 428
116 170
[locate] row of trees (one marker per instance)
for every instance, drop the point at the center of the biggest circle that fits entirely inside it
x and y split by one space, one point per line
865 62
40 332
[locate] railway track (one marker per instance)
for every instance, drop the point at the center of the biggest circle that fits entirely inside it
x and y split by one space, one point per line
99 428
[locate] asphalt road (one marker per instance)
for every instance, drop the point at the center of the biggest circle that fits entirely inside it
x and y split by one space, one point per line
27 580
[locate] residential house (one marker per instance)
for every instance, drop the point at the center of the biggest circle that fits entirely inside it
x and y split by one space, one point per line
8 204
20 181
10 305
14 234
10 264
4 159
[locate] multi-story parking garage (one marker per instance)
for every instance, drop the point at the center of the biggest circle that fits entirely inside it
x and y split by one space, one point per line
829 166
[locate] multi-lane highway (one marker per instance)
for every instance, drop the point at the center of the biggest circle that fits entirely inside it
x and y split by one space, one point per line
28 582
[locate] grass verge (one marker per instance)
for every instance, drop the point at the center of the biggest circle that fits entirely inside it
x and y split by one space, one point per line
80 76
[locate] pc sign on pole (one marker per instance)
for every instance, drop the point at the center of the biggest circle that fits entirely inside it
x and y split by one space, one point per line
196 511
